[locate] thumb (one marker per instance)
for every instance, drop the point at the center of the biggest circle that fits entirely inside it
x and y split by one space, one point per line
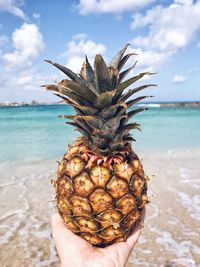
66 242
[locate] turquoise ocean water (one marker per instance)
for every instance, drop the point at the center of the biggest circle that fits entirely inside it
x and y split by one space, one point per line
35 132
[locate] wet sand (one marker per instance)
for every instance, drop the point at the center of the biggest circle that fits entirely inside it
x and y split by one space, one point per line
170 237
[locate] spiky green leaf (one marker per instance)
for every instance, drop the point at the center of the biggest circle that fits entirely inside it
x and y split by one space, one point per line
105 99
68 93
111 126
92 121
110 111
102 77
129 139
124 131
124 73
86 110
68 72
135 90
80 129
80 100
79 89
124 60
88 74
136 100
122 86
116 60
67 100
132 113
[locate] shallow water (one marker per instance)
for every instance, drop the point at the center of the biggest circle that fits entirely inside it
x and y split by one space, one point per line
32 139
35 132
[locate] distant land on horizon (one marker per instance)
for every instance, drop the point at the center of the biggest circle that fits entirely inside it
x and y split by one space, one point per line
153 104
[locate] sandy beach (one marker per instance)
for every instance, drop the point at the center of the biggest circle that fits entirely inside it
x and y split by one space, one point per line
171 233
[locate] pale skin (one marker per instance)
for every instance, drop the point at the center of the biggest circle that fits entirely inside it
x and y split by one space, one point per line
75 251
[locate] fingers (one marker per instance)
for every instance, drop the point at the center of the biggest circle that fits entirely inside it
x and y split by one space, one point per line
59 230
132 240
66 242
60 235
56 221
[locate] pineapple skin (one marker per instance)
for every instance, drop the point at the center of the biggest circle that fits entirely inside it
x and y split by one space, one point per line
100 198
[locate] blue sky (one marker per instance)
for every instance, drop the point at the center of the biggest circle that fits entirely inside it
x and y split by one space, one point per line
164 34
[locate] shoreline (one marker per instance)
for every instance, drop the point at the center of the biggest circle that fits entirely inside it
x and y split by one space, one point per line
152 104
142 153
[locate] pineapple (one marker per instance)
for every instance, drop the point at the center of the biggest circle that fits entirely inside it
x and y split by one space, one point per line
101 188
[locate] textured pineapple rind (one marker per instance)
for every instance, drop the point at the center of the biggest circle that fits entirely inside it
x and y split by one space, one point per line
100 199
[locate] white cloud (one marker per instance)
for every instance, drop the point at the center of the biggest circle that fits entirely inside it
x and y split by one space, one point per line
11 7
24 80
30 79
78 48
20 80
27 43
111 6
149 58
25 85
179 79
17 72
171 29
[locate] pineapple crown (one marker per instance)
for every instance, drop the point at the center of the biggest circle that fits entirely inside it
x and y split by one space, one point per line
99 98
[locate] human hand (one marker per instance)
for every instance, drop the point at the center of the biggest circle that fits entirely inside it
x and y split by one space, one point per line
76 252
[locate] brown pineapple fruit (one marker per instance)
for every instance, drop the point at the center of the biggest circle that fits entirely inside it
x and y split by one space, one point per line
101 188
